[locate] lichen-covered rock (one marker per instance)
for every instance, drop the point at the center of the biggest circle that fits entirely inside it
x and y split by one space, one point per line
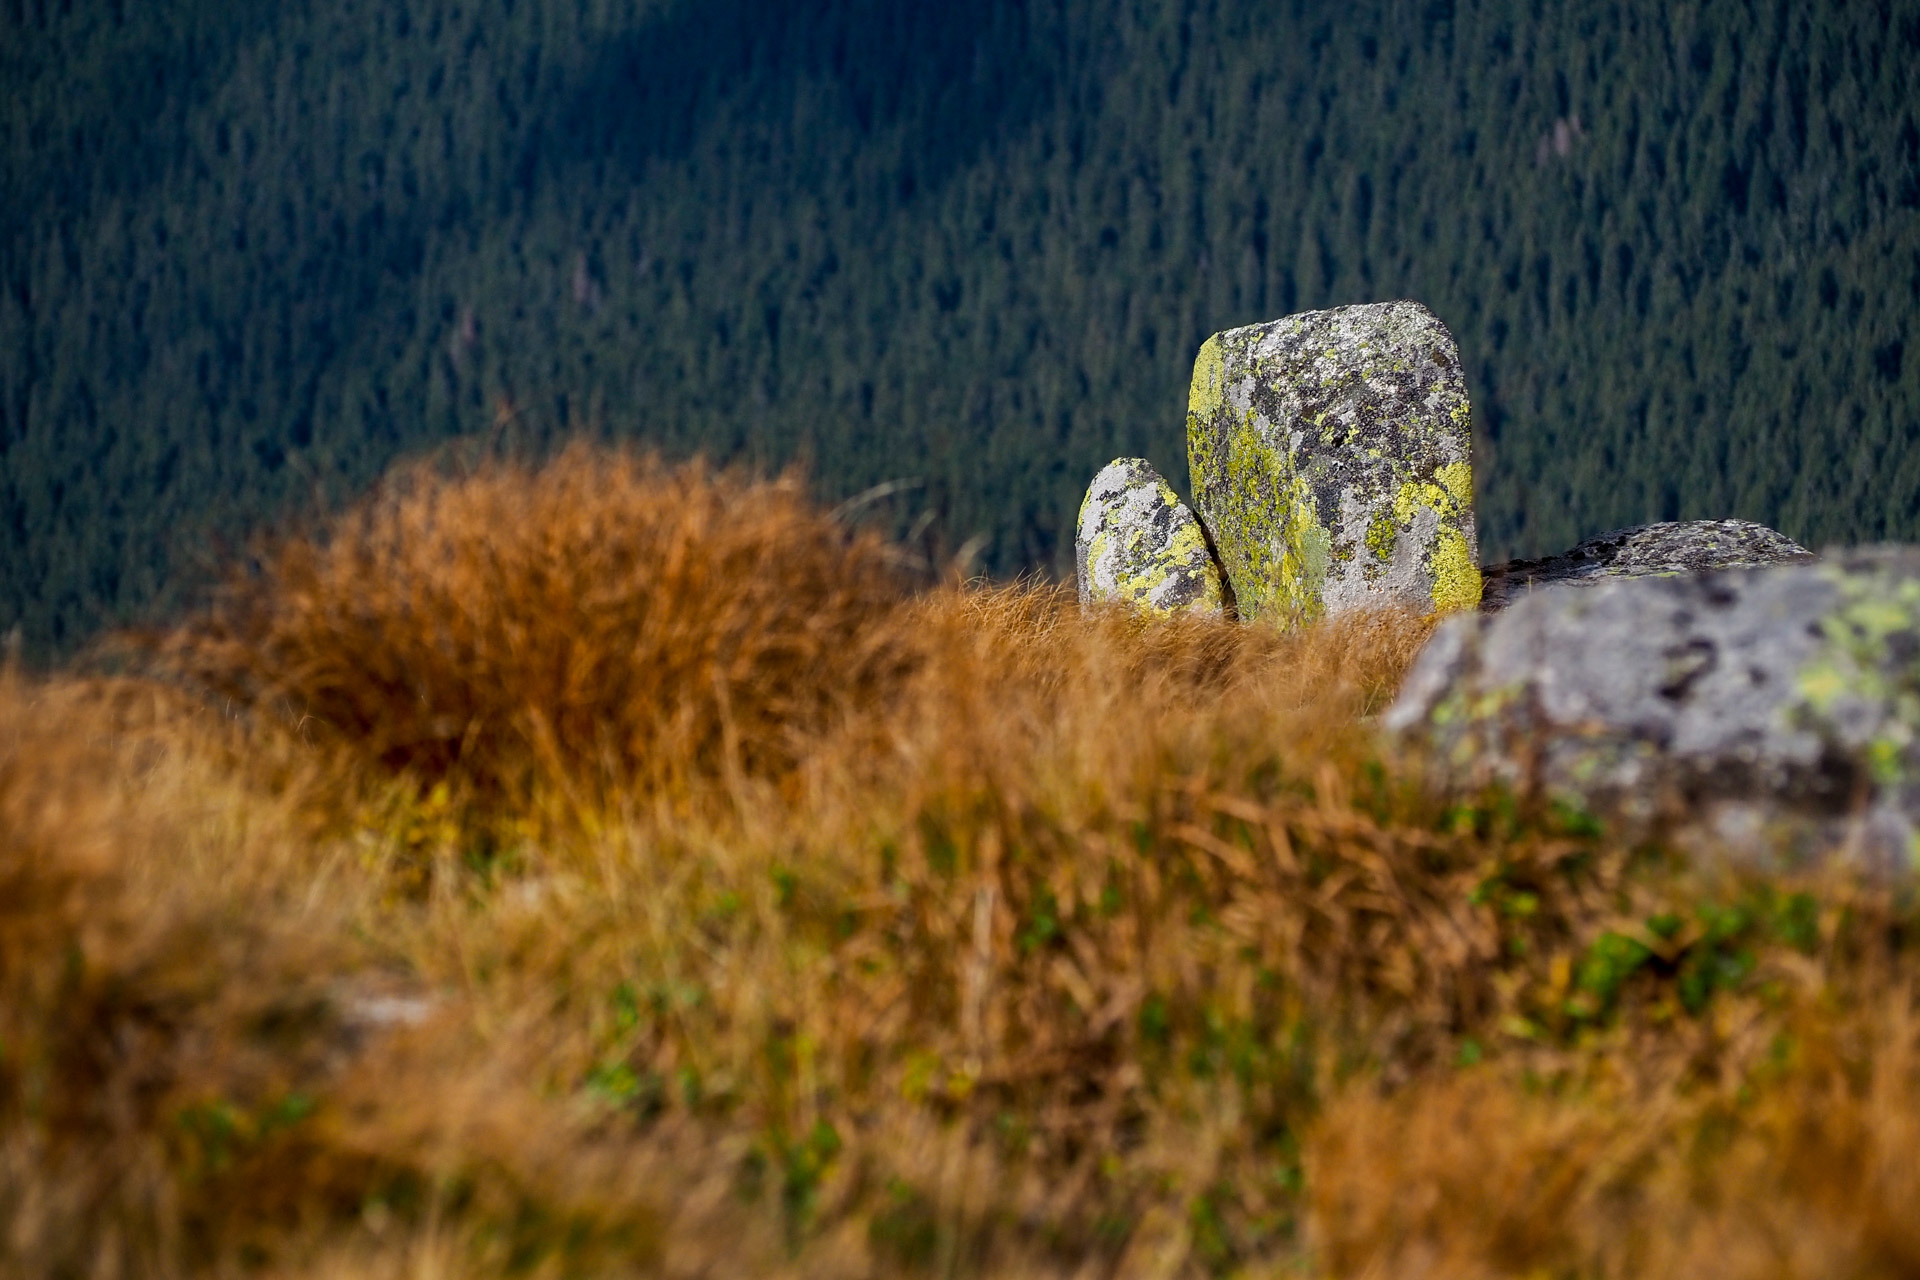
1139 544
1649 550
1767 714
1330 454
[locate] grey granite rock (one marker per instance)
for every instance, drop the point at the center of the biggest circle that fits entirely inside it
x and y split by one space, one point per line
1330 459
1138 544
1770 715
1667 549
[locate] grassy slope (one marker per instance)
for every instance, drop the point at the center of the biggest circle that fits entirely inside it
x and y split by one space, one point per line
653 883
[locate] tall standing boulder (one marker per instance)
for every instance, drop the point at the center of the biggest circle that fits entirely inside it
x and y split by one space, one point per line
1331 462
1138 544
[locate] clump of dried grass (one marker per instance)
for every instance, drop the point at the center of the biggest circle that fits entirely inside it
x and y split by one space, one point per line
604 625
1019 941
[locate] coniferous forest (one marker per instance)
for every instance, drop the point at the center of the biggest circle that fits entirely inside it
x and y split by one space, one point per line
251 253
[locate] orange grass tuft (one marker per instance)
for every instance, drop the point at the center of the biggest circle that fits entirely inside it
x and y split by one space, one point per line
960 934
603 623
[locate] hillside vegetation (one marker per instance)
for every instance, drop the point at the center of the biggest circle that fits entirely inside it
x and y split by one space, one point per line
251 253
668 879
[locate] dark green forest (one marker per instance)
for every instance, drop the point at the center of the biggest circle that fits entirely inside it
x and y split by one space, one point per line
251 253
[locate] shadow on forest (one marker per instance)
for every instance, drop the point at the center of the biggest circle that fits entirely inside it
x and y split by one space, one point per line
957 76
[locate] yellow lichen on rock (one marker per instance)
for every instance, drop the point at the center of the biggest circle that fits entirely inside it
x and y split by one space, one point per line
1457 479
1330 462
1138 544
1450 558
1208 388
1305 549
1456 578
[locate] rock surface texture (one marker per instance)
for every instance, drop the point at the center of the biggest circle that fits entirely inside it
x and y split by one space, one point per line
1768 715
1330 456
1648 550
1137 543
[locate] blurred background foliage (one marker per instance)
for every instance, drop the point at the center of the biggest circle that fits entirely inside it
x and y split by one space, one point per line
250 253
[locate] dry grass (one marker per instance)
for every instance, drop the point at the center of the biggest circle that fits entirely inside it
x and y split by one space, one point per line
605 625
611 869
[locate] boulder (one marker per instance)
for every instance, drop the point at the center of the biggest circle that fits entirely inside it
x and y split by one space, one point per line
1667 549
1139 544
1330 457
1771 715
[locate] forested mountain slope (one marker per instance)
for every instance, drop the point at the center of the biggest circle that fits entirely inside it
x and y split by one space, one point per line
251 252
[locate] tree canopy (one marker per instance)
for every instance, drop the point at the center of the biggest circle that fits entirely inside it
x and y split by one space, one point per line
251 253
